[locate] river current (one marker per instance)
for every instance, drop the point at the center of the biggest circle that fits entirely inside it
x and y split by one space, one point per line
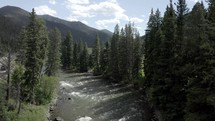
84 97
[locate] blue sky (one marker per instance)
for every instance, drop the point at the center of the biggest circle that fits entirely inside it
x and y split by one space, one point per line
100 14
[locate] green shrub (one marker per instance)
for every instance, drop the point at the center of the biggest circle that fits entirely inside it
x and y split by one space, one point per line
45 90
28 113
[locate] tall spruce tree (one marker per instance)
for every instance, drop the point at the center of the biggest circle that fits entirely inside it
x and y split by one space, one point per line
37 39
67 50
129 50
166 61
175 81
198 108
149 39
114 54
96 56
137 57
152 42
83 58
122 56
22 45
75 55
104 59
211 61
53 62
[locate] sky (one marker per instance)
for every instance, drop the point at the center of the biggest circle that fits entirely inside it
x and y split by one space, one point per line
100 14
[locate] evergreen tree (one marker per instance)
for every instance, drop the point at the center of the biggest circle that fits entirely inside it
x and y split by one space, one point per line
53 62
166 61
17 78
114 57
104 59
137 62
37 39
148 61
152 50
129 39
209 78
90 61
122 56
22 45
75 55
211 10
67 50
179 81
83 59
200 66
96 56
80 48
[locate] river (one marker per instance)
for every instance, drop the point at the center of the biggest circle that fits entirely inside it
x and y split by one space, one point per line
84 97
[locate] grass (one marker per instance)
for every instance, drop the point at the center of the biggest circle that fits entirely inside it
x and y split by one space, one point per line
29 113
33 113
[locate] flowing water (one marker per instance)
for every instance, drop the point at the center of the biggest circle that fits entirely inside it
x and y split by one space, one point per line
84 97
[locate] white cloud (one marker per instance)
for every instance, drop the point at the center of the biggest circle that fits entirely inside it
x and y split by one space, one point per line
109 12
72 18
41 10
107 9
53 2
121 16
138 28
85 22
78 1
103 23
136 20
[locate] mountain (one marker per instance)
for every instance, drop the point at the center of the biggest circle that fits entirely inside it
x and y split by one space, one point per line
12 19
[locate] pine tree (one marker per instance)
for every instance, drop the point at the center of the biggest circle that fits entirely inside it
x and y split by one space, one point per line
129 37
53 62
67 50
148 61
37 39
17 78
152 42
178 91
80 47
90 61
211 10
75 55
137 55
96 56
104 59
83 58
209 78
114 57
166 61
22 45
122 56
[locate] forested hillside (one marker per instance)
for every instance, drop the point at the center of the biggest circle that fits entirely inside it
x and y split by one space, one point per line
16 18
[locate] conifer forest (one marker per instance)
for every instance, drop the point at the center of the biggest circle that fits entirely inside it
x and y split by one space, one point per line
167 74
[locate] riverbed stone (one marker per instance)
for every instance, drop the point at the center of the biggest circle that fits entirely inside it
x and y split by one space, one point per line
58 119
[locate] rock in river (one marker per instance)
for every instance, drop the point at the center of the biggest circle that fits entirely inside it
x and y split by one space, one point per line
85 118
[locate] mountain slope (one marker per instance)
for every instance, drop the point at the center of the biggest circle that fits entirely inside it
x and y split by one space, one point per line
17 18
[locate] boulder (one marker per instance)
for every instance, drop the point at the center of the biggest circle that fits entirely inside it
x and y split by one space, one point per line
85 118
58 119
